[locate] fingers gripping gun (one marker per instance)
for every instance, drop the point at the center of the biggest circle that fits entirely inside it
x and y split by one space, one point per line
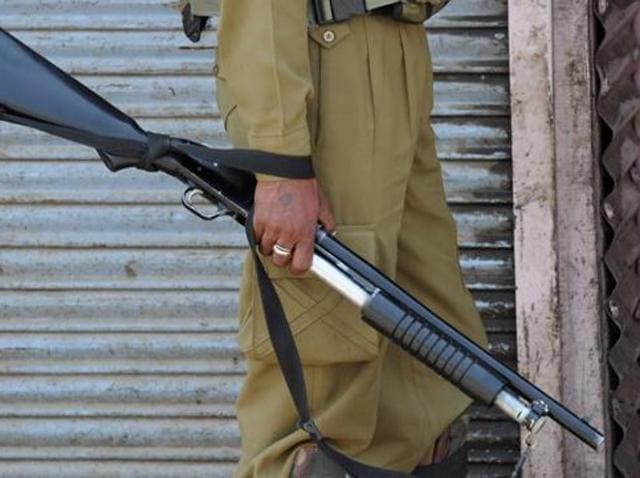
35 93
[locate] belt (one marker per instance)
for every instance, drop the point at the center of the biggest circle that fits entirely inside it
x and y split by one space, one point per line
324 12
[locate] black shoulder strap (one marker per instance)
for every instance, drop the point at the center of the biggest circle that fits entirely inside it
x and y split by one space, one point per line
289 361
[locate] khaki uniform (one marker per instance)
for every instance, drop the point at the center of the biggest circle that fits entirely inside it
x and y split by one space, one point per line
357 95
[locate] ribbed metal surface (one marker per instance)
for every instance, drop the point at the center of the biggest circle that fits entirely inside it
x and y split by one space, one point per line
619 107
117 308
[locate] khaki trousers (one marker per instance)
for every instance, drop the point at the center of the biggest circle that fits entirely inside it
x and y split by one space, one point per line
374 155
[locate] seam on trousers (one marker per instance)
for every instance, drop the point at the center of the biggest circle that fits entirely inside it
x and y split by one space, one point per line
407 84
370 71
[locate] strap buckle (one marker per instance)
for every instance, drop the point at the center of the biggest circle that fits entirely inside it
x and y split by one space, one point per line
311 428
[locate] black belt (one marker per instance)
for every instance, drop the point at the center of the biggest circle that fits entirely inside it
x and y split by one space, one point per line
323 12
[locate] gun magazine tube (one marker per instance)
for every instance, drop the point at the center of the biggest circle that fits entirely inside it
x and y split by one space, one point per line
432 349
420 341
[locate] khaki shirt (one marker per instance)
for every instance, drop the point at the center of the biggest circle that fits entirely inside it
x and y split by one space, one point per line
263 60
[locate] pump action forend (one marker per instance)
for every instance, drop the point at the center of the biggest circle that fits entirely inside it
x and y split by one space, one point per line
36 94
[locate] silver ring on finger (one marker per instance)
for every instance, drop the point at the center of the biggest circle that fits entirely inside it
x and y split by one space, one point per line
281 250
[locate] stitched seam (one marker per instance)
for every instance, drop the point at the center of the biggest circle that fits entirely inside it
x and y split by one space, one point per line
275 68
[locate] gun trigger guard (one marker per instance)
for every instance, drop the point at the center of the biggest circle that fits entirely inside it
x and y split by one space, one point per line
187 201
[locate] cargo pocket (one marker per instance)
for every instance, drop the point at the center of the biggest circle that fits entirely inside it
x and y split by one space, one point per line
327 328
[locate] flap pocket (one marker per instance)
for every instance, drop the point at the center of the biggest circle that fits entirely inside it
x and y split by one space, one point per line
330 35
328 329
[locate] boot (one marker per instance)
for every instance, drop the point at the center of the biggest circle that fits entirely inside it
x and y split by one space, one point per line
310 462
449 453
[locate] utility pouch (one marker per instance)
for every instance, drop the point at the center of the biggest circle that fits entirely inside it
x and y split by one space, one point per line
411 11
324 12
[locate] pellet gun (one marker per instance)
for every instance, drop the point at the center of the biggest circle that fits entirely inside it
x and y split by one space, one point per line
36 94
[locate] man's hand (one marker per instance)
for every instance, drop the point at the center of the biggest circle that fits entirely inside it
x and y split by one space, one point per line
287 213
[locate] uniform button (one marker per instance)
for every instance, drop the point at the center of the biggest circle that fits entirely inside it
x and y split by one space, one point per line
216 70
329 36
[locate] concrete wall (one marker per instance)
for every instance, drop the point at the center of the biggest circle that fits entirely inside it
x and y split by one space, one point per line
557 244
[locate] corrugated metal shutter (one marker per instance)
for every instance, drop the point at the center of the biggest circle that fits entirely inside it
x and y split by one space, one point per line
117 307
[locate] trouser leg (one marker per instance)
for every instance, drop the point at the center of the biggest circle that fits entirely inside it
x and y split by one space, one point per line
426 263
428 266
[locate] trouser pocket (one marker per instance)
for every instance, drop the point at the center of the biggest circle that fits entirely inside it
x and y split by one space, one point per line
327 328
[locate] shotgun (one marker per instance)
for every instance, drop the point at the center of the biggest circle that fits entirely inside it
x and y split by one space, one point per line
37 94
